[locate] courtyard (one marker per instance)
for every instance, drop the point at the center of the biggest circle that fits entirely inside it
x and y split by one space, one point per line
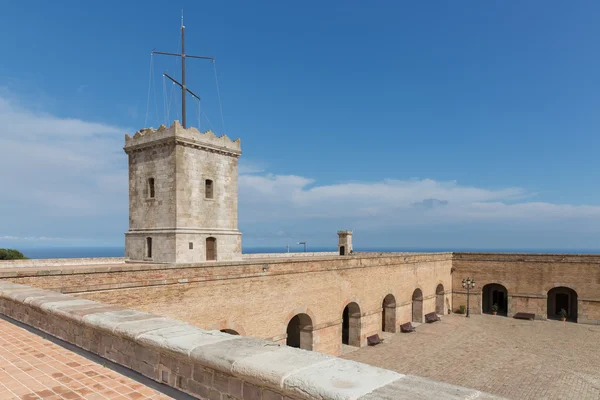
516 359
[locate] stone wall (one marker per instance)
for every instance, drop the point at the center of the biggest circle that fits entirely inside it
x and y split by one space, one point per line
208 364
528 278
260 256
256 301
59 262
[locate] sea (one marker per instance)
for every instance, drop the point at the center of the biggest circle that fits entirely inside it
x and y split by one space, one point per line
119 251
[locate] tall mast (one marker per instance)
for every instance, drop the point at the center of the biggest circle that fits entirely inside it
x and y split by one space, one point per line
184 89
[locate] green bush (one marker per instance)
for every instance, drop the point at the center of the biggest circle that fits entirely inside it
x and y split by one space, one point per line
461 310
11 254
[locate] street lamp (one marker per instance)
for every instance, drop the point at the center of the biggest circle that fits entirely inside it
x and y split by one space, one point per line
304 243
468 284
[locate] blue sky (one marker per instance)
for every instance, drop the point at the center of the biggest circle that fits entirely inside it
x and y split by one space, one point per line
423 124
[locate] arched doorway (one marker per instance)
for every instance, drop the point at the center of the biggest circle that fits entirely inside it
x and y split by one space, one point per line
417 306
494 293
351 325
211 249
562 298
300 332
388 316
439 299
230 331
342 250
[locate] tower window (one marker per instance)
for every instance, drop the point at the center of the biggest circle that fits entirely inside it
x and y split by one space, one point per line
208 189
191 245
151 188
149 247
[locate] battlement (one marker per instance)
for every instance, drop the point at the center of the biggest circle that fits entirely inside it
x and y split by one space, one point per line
149 137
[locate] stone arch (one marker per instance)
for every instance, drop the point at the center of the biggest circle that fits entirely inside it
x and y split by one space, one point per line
351 324
229 327
300 332
562 297
388 315
494 293
417 305
439 299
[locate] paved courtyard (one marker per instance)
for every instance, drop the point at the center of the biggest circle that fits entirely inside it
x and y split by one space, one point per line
32 367
511 358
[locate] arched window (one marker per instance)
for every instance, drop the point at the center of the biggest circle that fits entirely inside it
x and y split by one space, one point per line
300 332
151 192
149 247
211 249
208 189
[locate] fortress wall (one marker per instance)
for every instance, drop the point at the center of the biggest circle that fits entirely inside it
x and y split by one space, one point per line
528 278
245 297
54 262
261 256
205 364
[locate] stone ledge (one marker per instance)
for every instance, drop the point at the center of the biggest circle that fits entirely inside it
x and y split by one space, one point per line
205 364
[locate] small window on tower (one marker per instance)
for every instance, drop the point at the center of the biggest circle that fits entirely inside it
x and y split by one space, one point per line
208 189
191 245
151 188
149 247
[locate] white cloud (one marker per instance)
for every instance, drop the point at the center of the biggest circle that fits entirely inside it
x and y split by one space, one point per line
59 166
414 202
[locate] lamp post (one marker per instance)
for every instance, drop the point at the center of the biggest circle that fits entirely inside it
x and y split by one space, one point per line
468 284
304 243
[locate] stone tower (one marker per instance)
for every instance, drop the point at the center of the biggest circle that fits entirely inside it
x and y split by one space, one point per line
183 196
345 243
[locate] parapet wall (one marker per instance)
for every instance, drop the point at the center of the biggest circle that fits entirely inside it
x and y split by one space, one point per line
54 262
260 256
209 364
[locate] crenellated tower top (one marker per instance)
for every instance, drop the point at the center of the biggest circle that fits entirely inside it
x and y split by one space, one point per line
177 134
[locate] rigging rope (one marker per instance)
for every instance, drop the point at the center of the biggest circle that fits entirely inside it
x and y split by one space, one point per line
219 96
149 84
164 100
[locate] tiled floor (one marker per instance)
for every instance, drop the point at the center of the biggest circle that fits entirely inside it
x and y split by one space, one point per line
511 358
32 367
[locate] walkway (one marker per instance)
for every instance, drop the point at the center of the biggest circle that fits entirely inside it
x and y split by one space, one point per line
32 367
511 358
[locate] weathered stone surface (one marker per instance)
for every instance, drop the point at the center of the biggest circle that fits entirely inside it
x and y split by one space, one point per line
110 320
273 367
338 379
133 329
222 356
183 339
413 388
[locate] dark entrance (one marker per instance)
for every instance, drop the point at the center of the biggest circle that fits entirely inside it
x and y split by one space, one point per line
299 332
342 250
388 317
211 249
562 298
439 299
494 293
351 325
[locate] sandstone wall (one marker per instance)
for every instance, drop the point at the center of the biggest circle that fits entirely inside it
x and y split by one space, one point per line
260 302
59 262
210 365
528 278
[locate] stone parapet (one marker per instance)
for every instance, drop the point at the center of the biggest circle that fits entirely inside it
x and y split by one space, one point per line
60 262
287 255
209 364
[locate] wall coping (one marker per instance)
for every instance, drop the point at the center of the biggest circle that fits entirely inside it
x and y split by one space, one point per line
52 262
296 373
354 261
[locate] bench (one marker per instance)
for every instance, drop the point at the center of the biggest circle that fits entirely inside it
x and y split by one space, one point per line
374 340
407 327
431 317
523 315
